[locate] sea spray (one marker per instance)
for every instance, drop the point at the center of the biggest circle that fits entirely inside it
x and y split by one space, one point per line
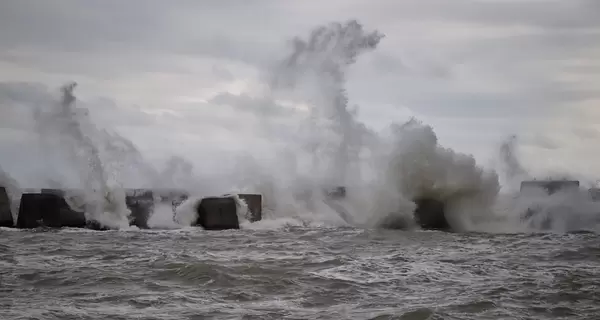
510 165
73 136
186 214
178 173
13 191
534 210
388 172
322 145
315 69
412 165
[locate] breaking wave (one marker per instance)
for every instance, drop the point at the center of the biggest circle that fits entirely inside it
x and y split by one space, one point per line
386 174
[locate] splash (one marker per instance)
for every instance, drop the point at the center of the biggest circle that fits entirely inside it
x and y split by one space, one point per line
177 174
511 166
316 68
323 145
385 174
65 130
414 166
13 191
537 210
392 172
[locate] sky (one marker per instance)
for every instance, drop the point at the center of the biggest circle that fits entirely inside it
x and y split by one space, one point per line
188 77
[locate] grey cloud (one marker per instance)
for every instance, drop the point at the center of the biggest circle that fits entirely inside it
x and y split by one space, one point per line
76 26
545 14
259 106
213 26
111 39
15 92
222 73
588 133
19 101
531 48
555 14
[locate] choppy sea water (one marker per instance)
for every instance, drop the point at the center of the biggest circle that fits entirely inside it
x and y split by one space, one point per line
297 273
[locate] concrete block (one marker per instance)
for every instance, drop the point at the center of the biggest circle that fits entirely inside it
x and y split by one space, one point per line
6 219
68 216
48 210
254 203
141 204
550 186
338 192
217 213
57 192
430 214
334 198
34 207
594 194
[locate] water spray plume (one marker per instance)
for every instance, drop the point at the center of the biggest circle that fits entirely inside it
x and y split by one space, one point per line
513 170
68 132
319 64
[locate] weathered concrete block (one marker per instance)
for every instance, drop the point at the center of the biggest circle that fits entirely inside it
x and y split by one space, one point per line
141 204
338 192
34 207
594 193
57 192
254 203
217 213
68 216
48 210
6 219
430 214
550 186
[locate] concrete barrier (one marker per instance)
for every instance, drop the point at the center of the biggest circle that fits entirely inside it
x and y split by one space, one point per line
139 201
34 208
550 186
68 216
6 219
338 192
141 204
594 194
254 203
48 210
430 214
217 213
57 192
334 198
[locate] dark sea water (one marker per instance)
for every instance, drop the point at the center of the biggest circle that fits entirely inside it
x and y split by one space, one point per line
297 273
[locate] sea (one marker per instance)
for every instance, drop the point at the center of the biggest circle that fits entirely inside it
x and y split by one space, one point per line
296 272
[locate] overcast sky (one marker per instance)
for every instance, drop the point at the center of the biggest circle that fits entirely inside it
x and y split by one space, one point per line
164 73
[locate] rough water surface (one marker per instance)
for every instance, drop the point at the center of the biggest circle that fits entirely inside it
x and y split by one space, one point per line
297 273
